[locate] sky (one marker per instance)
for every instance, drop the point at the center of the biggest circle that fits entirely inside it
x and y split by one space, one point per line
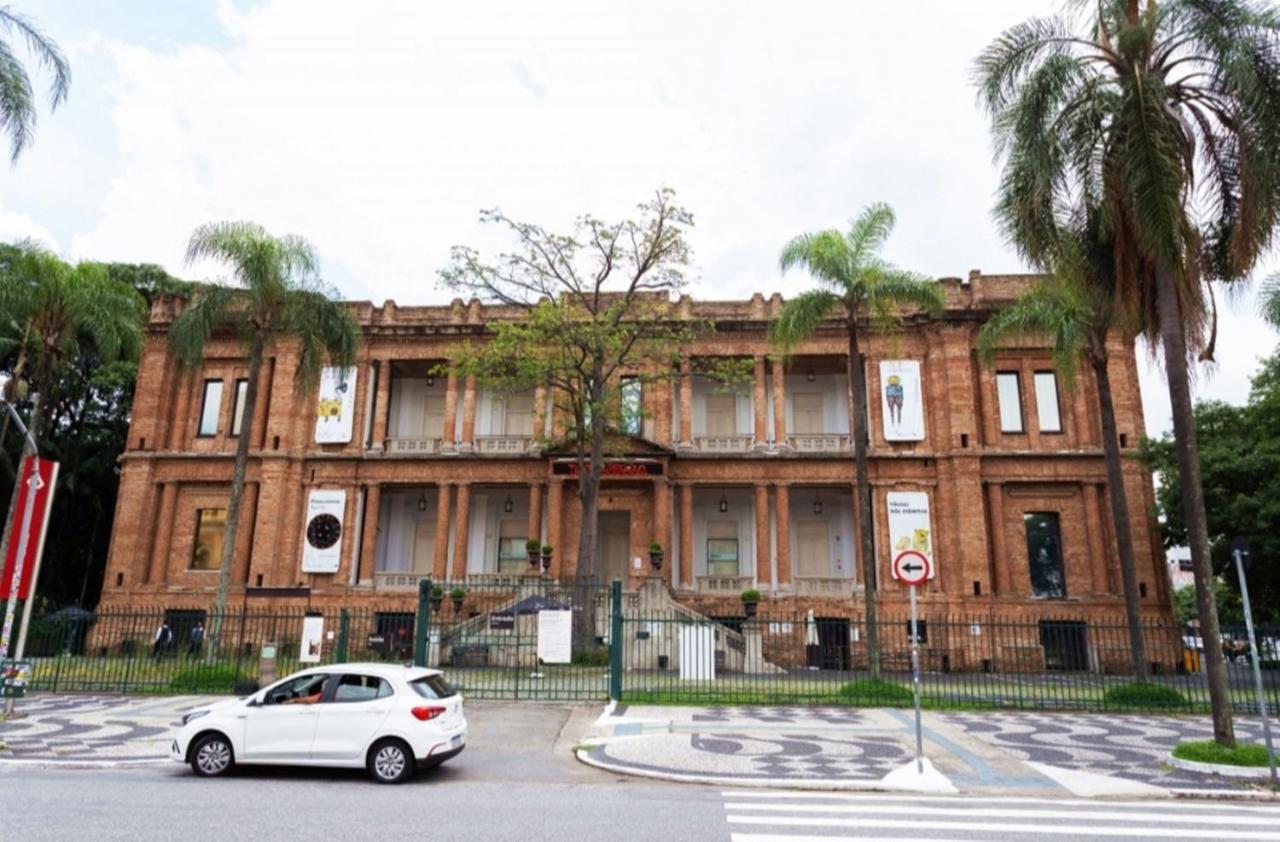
378 130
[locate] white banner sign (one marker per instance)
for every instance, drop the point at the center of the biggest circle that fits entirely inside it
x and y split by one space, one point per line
901 400
697 653
312 635
322 541
909 527
335 407
555 637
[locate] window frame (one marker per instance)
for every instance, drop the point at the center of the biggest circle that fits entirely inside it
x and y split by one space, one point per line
1022 415
237 407
332 697
195 542
1056 518
632 419
1057 402
204 408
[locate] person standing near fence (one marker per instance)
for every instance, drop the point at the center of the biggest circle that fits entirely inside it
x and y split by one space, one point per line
197 639
163 640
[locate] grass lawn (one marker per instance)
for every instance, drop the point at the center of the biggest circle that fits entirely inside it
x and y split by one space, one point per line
1207 751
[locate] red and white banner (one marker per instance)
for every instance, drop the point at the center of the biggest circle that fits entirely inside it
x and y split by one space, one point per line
35 488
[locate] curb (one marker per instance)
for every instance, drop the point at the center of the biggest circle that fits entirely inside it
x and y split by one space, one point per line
1243 773
51 763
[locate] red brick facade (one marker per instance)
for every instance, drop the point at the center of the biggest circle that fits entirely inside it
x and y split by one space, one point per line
418 502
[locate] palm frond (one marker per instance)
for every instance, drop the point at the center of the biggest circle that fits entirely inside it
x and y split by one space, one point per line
17 101
1269 300
1052 312
868 233
827 256
209 310
325 331
800 317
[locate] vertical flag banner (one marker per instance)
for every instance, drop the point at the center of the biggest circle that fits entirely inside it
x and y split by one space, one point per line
335 407
322 541
901 400
35 488
909 527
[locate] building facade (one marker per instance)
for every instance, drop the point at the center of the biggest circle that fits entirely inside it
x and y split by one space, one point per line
395 472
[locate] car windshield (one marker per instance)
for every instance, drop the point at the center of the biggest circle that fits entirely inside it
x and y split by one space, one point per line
432 687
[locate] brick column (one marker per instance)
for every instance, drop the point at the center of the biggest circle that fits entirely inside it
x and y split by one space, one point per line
555 523
468 416
661 409
448 435
369 544
999 548
762 535
244 537
779 410
444 502
539 413
662 521
164 534
686 404
261 409
535 512
382 405
761 433
783 529
686 534
1095 529
179 420
462 526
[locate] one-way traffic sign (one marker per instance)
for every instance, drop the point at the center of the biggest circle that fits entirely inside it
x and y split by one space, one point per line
912 568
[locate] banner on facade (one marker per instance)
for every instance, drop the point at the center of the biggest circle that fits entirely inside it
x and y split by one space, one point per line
335 407
322 541
312 639
34 489
901 400
909 526
555 637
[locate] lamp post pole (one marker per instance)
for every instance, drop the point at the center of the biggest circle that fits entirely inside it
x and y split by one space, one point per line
1240 551
15 583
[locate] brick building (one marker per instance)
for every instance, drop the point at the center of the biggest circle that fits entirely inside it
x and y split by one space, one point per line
395 474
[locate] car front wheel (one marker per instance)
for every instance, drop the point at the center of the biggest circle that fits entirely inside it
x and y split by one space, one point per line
390 762
212 756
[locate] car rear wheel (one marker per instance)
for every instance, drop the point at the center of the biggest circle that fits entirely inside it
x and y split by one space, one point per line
390 762
212 756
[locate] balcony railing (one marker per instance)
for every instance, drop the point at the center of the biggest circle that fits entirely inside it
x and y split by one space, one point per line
400 581
506 445
724 584
413 446
723 444
819 443
836 587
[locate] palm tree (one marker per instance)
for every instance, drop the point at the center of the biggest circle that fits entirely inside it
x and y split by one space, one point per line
1074 311
17 101
1269 300
1164 117
53 311
279 299
856 285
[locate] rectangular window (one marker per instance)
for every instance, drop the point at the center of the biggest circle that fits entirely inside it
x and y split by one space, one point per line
512 556
632 403
1047 402
722 412
211 527
1010 396
806 413
211 408
237 411
519 414
722 548
1044 555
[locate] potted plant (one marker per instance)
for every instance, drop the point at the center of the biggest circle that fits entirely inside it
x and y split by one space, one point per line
750 600
457 595
655 555
437 596
532 546
546 558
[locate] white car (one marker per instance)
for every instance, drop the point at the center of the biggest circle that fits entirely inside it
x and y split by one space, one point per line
389 719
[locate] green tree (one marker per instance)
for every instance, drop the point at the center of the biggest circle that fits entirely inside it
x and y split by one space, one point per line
1074 311
17 100
865 291
279 300
1164 117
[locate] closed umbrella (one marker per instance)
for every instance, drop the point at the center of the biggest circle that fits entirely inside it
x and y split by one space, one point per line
811 640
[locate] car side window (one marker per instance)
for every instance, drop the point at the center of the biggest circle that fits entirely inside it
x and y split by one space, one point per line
361 688
302 687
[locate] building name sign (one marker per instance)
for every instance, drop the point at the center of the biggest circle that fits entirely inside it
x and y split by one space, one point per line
615 470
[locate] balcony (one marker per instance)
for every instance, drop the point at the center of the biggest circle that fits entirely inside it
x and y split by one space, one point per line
413 446
504 445
723 444
819 443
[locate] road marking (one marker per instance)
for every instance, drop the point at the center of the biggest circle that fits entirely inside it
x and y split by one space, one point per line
775 837
990 813
1080 803
1003 827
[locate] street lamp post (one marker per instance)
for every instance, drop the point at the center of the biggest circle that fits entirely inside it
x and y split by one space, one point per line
16 582
1240 552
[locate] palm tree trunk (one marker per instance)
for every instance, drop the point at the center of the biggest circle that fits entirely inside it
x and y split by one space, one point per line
1184 433
862 479
1120 517
237 494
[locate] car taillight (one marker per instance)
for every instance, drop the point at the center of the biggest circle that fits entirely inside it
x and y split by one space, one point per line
426 713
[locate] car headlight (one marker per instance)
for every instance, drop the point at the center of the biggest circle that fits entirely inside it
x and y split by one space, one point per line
195 714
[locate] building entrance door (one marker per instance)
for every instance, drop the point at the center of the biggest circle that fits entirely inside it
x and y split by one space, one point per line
813 545
424 545
614 545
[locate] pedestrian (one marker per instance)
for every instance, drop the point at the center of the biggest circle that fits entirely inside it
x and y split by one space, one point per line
197 638
163 639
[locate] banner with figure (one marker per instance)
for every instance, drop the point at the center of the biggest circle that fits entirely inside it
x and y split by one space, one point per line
335 407
909 526
322 538
901 400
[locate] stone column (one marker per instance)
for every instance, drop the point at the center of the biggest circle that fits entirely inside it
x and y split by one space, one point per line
686 535
468 416
783 530
1095 529
780 409
662 521
444 502
999 548
686 405
555 523
382 405
369 544
761 432
462 533
763 576
449 433
164 534
535 512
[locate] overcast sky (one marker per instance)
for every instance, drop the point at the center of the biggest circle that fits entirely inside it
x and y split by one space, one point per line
379 129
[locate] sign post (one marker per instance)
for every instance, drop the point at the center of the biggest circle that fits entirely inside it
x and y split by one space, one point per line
1240 551
913 568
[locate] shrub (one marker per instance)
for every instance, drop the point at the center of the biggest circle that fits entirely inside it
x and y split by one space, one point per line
876 691
532 545
437 592
546 549
751 595
656 548
597 656
213 679
458 593
1207 751
1143 695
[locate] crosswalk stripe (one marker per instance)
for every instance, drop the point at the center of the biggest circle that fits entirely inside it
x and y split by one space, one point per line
1078 803
774 837
1001 827
975 812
